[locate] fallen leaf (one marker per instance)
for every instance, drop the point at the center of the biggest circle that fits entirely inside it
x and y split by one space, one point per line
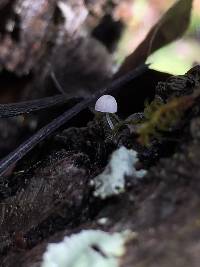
170 27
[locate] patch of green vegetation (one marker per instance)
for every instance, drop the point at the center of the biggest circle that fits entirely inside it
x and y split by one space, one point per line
161 117
194 24
175 58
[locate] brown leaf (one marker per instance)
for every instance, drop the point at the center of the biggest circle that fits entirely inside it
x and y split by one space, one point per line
170 27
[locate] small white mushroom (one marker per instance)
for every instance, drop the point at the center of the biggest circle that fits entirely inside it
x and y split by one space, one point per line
107 104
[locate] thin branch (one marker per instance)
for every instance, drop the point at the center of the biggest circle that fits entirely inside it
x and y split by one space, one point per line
15 109
57 84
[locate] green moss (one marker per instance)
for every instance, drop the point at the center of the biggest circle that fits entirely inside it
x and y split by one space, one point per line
162 117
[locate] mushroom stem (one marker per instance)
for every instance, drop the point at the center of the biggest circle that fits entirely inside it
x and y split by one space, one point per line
109 121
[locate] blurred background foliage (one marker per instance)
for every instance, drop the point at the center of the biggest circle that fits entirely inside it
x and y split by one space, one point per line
139 16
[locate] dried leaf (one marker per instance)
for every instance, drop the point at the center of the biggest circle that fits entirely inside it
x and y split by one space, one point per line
170 27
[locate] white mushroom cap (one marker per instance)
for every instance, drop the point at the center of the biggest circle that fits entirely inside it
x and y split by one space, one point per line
106 103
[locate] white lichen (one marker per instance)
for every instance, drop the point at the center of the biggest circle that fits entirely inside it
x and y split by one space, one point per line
112 180
89 248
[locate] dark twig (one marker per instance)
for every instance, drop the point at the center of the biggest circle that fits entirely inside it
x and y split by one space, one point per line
15 109
25 147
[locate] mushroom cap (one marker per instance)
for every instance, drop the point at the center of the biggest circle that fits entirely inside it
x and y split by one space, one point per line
106 103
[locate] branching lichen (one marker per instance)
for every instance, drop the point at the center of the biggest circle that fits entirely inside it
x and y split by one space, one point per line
112 180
